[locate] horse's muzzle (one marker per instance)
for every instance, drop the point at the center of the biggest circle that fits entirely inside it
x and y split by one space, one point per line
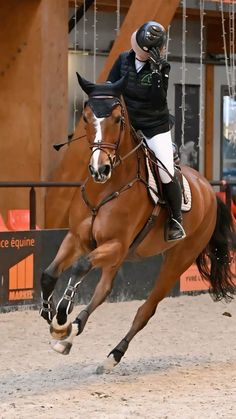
102 174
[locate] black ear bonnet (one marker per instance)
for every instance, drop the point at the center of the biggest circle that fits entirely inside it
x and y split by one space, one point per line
102 108
109 93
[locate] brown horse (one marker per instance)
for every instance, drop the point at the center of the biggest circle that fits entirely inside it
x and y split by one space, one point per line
107 215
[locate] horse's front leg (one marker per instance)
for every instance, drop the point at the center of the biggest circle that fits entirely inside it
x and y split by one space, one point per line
107 254
70 330
101 292
48 283
64 258
61 327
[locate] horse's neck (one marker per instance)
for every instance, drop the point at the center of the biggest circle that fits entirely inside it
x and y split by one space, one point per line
128 152
128 140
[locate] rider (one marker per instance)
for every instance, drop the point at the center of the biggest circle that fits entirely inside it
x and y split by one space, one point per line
146 99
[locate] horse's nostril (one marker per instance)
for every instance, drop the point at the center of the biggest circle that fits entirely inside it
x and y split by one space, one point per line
91 169
105 169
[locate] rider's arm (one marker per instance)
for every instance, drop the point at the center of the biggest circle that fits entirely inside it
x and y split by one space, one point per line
160 81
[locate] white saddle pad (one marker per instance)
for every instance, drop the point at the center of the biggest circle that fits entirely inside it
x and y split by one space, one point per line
153 190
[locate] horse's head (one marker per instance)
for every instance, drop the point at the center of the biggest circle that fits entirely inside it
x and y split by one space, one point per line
103 115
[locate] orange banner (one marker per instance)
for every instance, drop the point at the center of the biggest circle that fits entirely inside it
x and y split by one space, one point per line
191 279
21 279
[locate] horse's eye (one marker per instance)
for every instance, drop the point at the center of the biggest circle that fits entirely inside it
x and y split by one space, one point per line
117 119
84 118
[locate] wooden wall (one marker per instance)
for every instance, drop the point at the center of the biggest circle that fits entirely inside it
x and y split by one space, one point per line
33 100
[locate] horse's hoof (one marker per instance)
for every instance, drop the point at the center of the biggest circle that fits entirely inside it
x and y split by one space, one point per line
60 332
107 365
62 347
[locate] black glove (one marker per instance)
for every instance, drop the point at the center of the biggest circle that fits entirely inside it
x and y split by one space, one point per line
157 62
154 59
163 64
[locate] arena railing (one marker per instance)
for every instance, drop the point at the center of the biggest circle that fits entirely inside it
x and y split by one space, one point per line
225 185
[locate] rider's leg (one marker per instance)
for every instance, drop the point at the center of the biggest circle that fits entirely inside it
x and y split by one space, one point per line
173 194
161 145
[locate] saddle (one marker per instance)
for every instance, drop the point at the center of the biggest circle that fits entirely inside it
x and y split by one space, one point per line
154 183
155 190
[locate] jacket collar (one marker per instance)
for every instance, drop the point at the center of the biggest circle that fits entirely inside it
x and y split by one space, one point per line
131 59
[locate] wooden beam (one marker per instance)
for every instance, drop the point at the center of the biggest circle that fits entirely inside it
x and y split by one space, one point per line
166 13
215 44
209 121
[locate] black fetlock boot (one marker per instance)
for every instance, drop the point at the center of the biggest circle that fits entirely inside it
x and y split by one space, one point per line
173 195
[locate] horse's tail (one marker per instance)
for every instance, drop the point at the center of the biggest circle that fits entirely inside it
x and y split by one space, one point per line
214 262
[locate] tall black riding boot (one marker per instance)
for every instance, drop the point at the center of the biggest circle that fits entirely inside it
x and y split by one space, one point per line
173 195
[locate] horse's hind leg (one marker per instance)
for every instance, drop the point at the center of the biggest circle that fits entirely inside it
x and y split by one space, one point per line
64 258
176 261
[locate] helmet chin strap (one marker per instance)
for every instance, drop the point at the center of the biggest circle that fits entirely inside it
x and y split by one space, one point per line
141 61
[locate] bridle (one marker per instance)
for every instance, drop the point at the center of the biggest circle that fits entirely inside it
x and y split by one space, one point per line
115 159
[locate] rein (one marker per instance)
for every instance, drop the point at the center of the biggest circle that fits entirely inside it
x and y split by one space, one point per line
123 188
94 209
121 159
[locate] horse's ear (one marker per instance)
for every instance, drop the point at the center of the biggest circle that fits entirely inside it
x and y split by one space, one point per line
115 89
121 84
86 86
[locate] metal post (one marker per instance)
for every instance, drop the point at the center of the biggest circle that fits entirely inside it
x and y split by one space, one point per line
32 206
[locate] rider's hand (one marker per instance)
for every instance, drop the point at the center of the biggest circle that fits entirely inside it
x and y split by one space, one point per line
163 63
157 62
154 59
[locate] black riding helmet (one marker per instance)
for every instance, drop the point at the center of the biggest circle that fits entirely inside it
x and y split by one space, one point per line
151 34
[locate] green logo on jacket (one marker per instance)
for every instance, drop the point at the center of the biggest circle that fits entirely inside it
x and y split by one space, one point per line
146 80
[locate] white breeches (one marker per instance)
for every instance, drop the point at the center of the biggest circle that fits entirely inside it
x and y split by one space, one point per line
161 145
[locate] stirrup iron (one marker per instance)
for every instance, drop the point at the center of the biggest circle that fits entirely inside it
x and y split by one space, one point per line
174 230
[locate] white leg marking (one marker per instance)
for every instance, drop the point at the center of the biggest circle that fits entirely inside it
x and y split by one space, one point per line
64 346
107 366
57 326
